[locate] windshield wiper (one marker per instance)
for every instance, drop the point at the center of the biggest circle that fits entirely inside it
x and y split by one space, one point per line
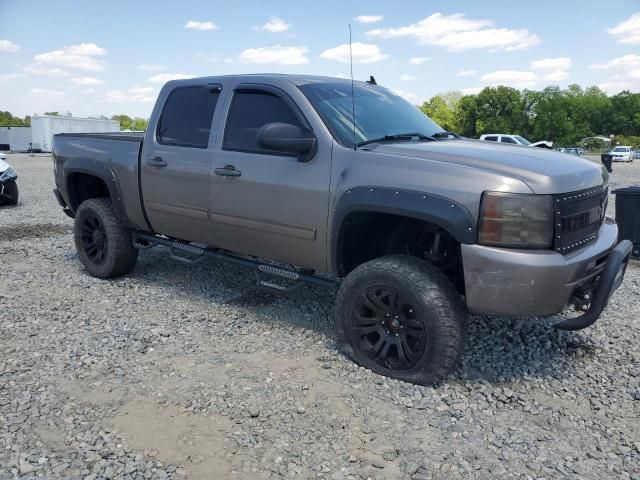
397 136
446 134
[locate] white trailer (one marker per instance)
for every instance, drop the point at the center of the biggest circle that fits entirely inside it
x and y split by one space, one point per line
4 138
19 139
43 128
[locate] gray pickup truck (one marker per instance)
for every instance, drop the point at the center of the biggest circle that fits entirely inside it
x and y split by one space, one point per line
318 181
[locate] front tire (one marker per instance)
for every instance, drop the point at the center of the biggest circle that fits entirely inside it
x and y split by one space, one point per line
104 245
9 194
402 318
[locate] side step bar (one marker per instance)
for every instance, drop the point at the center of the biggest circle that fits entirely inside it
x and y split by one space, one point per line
196 253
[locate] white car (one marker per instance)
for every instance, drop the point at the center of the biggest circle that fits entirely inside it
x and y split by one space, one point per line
514 140
621 154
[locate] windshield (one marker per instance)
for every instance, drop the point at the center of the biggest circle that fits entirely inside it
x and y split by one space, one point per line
379 112
621 149
522 140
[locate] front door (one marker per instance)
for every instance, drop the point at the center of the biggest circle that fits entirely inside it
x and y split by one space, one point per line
176 165
268 204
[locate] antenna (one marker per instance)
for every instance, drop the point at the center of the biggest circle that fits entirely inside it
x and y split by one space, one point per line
353 97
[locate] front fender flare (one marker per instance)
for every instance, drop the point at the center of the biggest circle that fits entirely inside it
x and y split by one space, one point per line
447 214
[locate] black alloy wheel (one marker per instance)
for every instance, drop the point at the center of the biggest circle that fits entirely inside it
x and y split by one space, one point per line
389 329
95 241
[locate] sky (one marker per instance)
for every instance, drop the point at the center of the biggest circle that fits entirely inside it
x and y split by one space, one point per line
104 58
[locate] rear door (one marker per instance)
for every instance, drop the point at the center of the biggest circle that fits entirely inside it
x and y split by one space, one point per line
264 203
176 164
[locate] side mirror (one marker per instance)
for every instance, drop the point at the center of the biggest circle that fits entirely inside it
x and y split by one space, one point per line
287 138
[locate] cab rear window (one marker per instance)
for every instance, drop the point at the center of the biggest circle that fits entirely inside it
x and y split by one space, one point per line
187 115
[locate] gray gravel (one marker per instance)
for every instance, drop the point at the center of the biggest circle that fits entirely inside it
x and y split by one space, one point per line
179 371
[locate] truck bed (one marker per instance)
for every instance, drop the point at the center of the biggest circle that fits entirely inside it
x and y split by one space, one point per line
113 157
119 136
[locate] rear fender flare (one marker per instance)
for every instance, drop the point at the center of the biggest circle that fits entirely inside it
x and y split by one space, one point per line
103 172
445 213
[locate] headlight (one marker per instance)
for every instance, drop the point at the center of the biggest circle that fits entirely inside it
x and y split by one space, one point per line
516 220
8 174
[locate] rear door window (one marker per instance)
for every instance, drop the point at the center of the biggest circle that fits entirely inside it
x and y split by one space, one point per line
491 139
186 118
250 110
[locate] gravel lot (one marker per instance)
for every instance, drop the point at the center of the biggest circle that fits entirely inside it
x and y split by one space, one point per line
179 371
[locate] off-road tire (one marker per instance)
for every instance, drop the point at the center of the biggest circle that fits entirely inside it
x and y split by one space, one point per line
118 256
9 194
435 304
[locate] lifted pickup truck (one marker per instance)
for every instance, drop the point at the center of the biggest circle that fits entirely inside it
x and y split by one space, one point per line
410 223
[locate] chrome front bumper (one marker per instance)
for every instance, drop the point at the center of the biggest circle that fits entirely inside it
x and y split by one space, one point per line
531 282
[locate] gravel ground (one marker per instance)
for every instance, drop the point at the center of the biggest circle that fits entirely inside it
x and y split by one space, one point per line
179 371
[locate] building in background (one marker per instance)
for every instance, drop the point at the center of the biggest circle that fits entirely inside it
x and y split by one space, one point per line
43 128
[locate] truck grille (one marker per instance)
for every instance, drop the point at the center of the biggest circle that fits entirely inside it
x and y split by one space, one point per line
578 218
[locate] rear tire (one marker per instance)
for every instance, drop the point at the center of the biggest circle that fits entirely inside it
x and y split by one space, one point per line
104 245
401 317
10 194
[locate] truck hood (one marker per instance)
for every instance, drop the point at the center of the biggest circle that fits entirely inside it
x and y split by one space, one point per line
544 171
3 166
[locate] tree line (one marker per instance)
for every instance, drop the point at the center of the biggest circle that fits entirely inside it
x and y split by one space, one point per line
126 122
564 116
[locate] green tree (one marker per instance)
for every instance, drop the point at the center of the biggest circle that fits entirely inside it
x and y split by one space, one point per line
8 120
442 109
128 123
500 110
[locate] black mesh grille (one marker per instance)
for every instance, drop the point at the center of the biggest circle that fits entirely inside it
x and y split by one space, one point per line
578 218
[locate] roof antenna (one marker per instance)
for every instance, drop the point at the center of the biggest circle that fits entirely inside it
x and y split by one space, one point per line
372 80
353 97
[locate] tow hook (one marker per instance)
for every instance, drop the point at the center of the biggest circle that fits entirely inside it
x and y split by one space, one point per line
581 300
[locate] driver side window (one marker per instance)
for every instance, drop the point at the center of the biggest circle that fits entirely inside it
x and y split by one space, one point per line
250 110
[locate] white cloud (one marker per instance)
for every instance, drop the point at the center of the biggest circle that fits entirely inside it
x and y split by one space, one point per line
10 77
202 26
278 55
418 60
512 78
275 25
8 46
150 67
45 93
408 96
471 90
555 76
626 61
87 91
407 78
368 18
85 81
37 69
627 31
635 74
456 33
134 94
165 77
362 53
559 63
82 57
466 73
614 87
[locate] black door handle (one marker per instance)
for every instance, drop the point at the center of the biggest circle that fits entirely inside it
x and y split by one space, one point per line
228 171
156 162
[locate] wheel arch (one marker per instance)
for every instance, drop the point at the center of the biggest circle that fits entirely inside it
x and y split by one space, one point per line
447 214
86 179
